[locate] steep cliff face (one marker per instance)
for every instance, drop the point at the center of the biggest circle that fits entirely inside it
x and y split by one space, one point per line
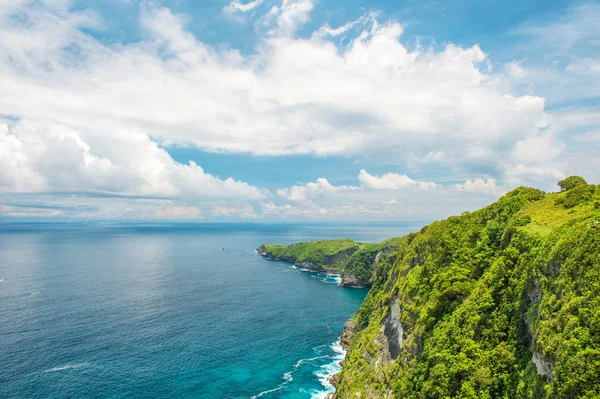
354 261
503 302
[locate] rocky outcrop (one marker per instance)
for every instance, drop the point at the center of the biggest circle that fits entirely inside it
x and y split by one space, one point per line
390 338
350 280
333 380
307 266
543 366
393 330
350 329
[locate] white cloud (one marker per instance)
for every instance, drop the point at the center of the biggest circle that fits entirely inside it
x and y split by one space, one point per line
243 212
86 110
294 96
48 157
236 6
391 181
521 173
321 188
289 15
327 30
312 190
479 186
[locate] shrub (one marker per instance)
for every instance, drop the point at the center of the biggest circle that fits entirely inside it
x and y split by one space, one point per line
577 195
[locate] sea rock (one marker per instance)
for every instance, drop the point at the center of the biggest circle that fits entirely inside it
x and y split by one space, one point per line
349 280
334 379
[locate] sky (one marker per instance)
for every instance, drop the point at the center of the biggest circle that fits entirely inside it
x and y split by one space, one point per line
291 110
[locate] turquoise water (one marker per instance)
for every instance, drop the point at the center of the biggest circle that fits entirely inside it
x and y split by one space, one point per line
160 311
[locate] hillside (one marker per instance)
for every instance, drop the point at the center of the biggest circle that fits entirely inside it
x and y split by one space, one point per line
502 302
354 261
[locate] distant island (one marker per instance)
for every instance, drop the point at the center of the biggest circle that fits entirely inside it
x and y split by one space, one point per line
503 302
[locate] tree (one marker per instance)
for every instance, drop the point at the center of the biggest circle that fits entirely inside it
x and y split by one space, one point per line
571 182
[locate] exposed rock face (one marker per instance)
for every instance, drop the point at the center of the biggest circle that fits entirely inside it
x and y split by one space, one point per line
349 280
333 380
543 366
307 266
383 253
389 339
350 329
392 328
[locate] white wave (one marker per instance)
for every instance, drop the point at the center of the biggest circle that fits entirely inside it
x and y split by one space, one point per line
66 367
287 377
327 370
1 280
270 390
326 278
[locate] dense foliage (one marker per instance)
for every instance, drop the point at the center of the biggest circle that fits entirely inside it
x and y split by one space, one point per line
482 296
571 182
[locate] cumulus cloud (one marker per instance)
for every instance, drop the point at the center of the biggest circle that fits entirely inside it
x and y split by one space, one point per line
289 15
391 181
236 6
294 96
49 157
322 188
479 186
91 117
312 190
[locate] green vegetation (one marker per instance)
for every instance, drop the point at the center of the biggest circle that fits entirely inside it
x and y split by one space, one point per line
571 182
483 295
351 259
324 254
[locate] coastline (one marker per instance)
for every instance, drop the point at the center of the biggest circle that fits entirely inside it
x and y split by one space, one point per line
347 281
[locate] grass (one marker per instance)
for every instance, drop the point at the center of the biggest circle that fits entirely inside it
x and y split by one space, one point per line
535 228
546 214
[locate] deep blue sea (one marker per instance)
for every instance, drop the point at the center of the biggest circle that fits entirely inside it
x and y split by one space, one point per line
105 310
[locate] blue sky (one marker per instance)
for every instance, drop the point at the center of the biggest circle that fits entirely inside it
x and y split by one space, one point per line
291 109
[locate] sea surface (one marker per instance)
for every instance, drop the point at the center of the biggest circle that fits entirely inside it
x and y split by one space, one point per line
108 310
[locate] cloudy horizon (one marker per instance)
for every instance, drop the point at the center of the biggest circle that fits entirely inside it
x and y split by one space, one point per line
290 110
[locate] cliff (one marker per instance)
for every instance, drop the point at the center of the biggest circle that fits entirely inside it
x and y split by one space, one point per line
354 261
503 302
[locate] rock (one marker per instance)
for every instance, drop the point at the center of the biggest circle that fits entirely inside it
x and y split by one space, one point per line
543 366
334 379
307 266
350 329
389 339
349 280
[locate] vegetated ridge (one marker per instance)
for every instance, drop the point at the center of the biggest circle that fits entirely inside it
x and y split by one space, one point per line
503 302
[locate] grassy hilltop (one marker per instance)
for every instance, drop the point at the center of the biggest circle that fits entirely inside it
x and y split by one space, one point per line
503 302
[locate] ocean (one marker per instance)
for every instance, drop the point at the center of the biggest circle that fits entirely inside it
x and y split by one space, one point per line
131 310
